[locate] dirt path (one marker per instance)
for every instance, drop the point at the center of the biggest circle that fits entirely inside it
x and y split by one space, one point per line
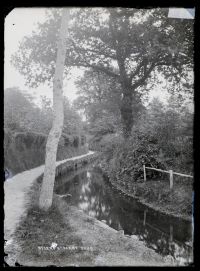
15 199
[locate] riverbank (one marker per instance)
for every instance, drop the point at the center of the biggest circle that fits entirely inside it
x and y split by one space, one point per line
69 237
156 194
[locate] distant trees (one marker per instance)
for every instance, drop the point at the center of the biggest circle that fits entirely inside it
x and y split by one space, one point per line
99 99
73 123
21 114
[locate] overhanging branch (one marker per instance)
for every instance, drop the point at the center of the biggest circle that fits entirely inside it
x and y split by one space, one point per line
85 63
142 80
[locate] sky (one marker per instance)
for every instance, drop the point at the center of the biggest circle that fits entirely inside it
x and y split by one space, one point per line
21 22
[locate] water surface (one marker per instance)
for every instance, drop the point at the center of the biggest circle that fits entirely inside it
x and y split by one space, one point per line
91 192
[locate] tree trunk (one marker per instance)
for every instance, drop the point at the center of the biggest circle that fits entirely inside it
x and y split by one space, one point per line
126 108
127 114
46 194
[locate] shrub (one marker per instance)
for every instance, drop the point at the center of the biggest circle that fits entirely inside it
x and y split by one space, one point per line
83 140
76 141
126 159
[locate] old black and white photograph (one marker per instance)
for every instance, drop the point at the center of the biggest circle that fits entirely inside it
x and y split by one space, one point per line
98 136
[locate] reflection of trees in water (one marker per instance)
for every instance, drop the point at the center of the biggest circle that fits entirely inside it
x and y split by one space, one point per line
91 193
181 229
64 182
154 238
95 195
163 244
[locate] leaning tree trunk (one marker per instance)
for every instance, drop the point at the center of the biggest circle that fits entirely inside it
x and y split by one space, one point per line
46 194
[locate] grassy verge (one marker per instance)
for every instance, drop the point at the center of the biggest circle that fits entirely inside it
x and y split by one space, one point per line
157 195
177 202
41 229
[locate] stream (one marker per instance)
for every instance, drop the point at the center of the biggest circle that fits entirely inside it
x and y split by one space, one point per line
91 192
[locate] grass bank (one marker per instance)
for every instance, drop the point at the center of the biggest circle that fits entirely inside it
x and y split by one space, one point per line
40 229
156 194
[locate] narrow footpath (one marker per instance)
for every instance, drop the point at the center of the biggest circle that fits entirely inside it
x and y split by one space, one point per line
15 195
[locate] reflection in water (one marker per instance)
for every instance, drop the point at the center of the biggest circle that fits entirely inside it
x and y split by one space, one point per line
91 193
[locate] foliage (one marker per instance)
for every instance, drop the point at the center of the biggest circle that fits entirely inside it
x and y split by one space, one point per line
115 42
106 143
72 121
19 110
172 125
161 138
98 94
26 127
129 158
21 114
155 38
100 97
22 148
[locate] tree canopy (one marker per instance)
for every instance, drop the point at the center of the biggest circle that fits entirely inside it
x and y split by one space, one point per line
131 46
102 37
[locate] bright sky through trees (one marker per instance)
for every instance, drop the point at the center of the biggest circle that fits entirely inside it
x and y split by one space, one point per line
18 24
21 22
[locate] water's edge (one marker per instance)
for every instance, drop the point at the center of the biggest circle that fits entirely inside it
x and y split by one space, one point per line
144 203
87 190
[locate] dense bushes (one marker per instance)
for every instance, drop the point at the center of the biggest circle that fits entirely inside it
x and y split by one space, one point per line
105 143
161 138
129 157
23 151
76 141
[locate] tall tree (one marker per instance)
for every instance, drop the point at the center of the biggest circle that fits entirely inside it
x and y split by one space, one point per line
130 49
129 45
100 97
46 195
